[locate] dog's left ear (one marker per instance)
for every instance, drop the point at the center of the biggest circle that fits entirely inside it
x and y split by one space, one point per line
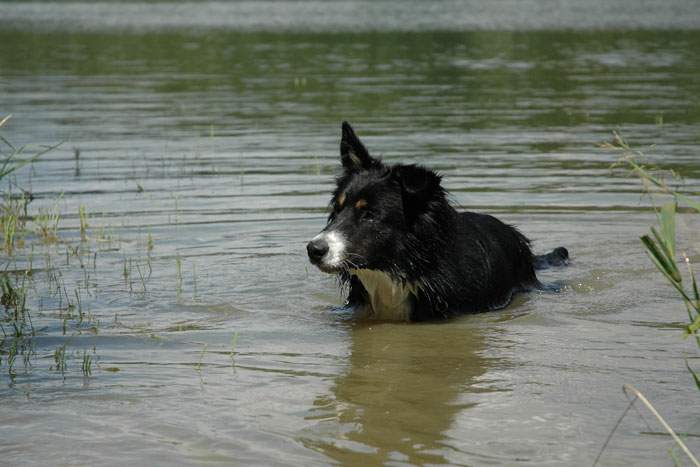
353 153
419 186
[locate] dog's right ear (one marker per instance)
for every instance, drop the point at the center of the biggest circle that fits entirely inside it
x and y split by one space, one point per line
353 153
419 187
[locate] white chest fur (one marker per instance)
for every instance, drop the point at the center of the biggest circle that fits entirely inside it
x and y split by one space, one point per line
388 300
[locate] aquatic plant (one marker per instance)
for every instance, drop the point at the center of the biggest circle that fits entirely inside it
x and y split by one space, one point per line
13 209
660 246
87 363
178 274
82 214
12 157
15 320
59 358
47 223
13 215
60 303
9 228
149 243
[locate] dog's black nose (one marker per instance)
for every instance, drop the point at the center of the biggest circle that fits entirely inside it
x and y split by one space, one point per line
317 249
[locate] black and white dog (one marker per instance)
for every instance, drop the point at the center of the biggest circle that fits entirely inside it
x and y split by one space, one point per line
406 254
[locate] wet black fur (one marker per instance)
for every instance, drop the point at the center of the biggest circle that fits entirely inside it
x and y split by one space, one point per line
462 262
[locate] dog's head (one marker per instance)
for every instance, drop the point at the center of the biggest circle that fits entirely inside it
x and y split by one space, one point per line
375 211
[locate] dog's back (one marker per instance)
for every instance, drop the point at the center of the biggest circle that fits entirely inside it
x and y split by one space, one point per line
485 262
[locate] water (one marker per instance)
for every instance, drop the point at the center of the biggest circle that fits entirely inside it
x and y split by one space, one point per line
214 129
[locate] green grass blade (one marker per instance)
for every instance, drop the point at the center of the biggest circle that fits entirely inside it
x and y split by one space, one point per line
643 174
695 375
658 259
668 228
659 256
668 252
676 460
2 138
693 203
696 294
21 163
695 325
8 159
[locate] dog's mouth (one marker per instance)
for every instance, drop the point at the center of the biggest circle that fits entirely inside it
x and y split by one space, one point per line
327 268
339 266
331 264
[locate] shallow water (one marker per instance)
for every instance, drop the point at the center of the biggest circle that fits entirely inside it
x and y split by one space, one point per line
216 134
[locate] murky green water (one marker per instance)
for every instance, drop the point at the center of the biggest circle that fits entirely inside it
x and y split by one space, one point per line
213 129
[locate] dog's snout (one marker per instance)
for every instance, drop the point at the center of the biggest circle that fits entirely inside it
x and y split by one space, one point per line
317 249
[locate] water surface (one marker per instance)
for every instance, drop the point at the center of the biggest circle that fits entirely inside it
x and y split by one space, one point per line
217 136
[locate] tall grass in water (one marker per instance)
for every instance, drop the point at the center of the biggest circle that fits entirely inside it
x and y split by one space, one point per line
13 218
46 223
660 245
87 363
17 331
13 157
59 358
82 214
9 222
15 320
13 209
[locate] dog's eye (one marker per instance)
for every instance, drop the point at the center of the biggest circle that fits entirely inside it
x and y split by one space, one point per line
366 215
331 216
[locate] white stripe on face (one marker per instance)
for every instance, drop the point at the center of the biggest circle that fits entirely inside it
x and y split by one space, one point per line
336 248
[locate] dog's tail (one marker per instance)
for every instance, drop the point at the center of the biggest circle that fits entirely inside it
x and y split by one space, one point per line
557 257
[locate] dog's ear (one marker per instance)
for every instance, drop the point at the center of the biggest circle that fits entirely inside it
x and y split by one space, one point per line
353 153
417 181
419 186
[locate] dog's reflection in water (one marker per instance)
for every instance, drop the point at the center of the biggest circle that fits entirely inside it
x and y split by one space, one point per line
404 387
